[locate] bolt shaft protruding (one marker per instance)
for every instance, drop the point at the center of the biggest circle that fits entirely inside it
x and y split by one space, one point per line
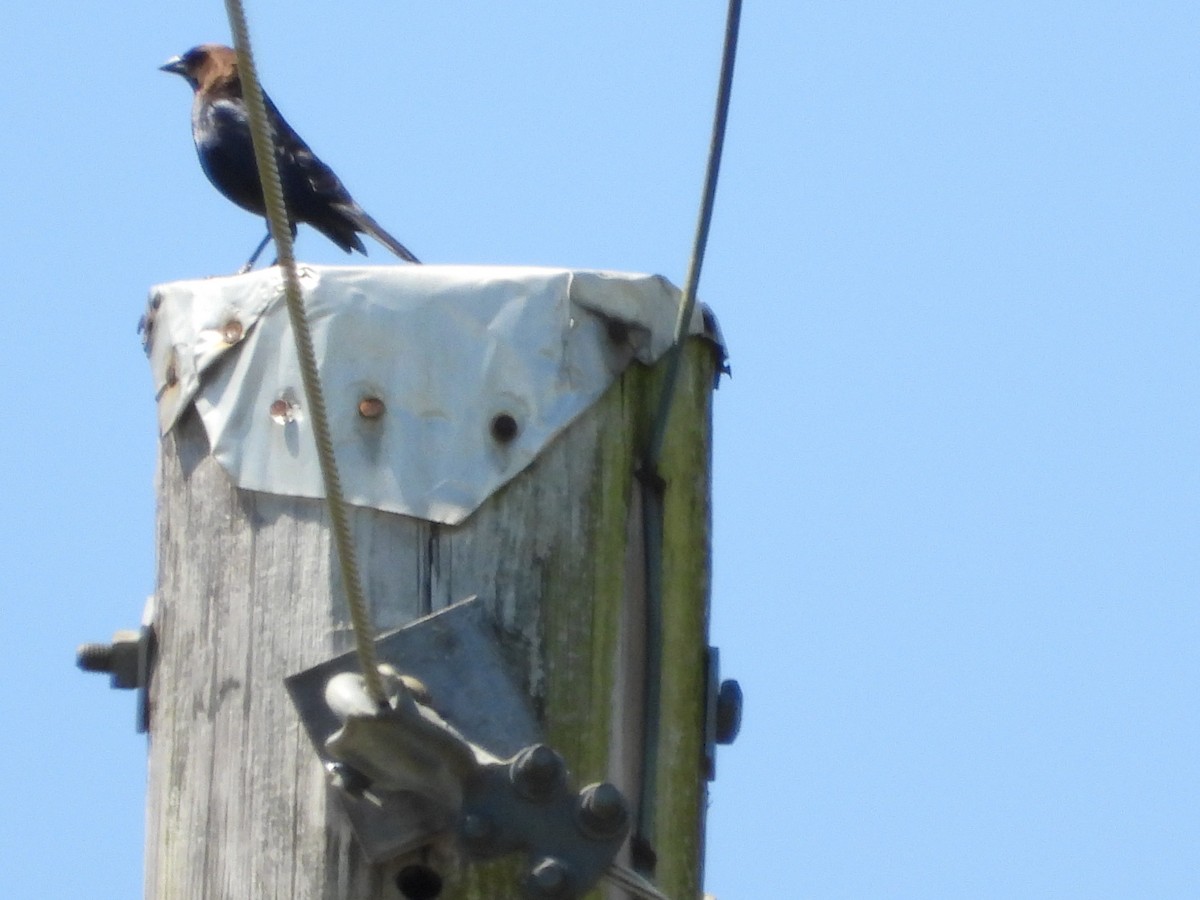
95 657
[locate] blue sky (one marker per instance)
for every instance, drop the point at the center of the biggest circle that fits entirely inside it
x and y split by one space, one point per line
957 505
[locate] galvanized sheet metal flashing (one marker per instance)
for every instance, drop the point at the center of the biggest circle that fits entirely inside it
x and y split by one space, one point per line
442 382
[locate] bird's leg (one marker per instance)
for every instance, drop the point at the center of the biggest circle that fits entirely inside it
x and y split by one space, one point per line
262 245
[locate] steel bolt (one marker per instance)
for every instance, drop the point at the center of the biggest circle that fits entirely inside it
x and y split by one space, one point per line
549 877
537 772
119 659
602 811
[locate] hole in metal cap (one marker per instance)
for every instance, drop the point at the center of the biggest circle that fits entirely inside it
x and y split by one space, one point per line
504 428
283 411
618 332
419 882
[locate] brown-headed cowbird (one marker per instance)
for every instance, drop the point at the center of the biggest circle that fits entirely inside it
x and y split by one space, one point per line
221 130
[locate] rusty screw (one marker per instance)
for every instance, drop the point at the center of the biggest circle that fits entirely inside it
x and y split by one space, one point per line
347 778
371 407
232 331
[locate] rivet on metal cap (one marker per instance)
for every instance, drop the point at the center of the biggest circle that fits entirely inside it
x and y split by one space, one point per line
283 411
617 331
232 331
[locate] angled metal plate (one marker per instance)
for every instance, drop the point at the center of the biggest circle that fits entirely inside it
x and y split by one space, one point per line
440 353
456 653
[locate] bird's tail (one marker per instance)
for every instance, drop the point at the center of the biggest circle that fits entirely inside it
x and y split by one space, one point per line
366 224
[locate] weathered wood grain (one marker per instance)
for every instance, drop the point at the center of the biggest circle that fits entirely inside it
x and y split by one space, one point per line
248 594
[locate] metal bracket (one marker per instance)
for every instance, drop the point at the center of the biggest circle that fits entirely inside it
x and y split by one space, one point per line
455 754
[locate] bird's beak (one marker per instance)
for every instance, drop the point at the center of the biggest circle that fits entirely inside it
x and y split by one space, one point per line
174 65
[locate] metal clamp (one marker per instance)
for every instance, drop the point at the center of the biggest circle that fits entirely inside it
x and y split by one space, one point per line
455 752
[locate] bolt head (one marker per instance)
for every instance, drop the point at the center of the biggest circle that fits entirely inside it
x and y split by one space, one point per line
347 778
603 813
548 878
537 773
729 711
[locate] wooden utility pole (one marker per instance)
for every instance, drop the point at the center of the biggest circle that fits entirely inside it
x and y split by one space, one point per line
249 593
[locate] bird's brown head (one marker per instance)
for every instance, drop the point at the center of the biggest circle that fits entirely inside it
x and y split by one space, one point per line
208 68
